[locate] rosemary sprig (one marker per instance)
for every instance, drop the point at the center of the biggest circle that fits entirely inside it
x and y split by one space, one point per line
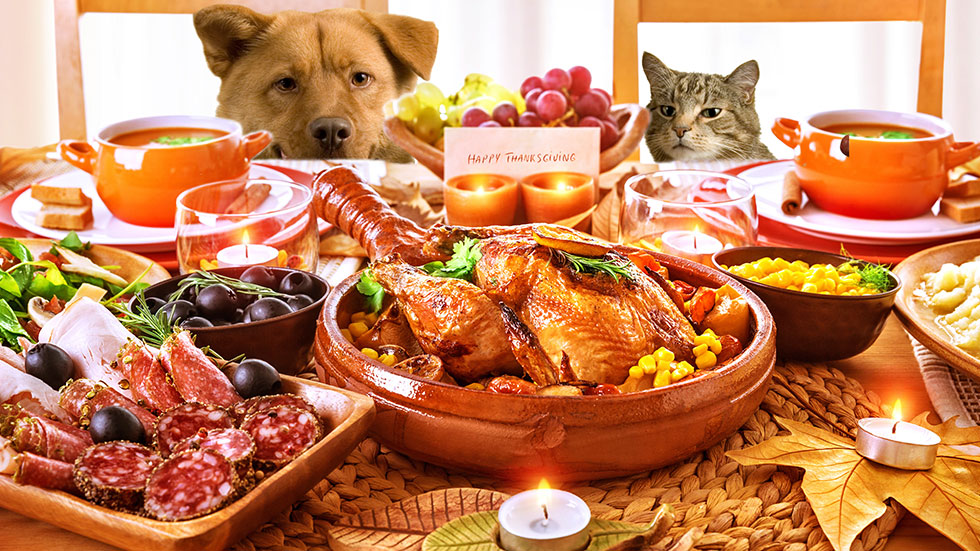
205 279
613 266
152 328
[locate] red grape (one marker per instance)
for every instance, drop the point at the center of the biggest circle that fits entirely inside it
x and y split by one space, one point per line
557 79
530 83
551 105
604 93
581 80
529 119
609 136
531 99
489 124
570 120
505 113
474 116
590 121
592 104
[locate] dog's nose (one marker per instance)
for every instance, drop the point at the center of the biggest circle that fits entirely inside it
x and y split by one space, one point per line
681 130
330 131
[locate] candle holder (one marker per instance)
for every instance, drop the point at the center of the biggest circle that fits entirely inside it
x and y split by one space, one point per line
481 200
250 223
688 213
553 196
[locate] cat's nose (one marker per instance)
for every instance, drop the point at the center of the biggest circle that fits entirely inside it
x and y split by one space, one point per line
681 130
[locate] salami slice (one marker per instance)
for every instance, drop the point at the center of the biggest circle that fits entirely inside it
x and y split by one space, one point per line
113 474
193 374
50 438
262 403
234 444
35 470
186 420
149 383
190 484
83 397
281 434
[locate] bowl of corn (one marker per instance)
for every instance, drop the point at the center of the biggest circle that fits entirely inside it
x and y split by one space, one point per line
826 306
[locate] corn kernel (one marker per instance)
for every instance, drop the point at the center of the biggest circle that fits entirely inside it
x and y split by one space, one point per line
678 374
665 365
371 319
636 372
799 265
357 328
706 360
809 288
700 349
648 363
715 346
387 359
764 264
703 339
370 353
663 355
686 366
662 379
357 316
347 335
780 264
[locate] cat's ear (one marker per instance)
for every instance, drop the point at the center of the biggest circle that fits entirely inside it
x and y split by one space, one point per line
744 79
654 68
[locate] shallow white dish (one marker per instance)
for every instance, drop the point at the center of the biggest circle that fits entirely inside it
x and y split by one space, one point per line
107 229
767 181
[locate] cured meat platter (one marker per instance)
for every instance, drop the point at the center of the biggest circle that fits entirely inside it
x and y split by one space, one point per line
346 416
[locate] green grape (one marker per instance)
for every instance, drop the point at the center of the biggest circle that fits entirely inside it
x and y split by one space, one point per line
486 103
407 108
429 95
428 125
477 78
519 103
454 115
501 92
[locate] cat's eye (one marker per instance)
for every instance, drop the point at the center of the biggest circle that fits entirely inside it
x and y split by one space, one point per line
286 84
711 112
360 79
667 110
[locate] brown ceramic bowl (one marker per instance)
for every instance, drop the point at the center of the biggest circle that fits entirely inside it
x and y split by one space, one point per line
560 437
813 327
285 341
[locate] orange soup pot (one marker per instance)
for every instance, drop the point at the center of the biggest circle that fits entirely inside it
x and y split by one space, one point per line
139 182
872 177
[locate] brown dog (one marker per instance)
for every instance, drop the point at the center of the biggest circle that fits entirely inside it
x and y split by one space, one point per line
317 81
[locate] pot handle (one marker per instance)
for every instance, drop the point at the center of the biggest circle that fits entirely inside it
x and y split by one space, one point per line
78 153
961 152
788 131
255 142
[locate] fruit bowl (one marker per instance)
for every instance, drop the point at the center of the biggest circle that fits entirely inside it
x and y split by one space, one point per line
560 437
632 119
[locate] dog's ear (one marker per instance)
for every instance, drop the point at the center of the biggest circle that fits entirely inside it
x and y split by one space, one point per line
412 41
225 31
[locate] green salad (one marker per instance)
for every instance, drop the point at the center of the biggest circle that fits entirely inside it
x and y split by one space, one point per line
54 276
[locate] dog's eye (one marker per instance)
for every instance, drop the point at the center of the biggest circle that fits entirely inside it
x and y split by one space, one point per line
360 79
710 112
285 84
667 110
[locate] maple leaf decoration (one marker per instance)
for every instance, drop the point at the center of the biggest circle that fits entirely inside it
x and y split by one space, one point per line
847 491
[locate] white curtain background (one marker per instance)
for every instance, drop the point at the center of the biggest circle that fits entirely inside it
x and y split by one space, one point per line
138 65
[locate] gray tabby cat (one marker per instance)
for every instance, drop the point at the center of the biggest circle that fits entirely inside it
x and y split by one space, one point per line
702 117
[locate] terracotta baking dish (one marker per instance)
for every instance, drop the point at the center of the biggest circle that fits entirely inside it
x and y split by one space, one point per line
571 438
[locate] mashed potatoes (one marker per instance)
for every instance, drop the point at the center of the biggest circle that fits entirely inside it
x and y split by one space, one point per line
954 295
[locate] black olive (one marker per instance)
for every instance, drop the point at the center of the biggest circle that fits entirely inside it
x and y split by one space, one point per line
153 303
178 310
298 302
256 378
196 322
189 294
216 302
242 300
298 283
266 308
260 275
221 323
116 423
49 363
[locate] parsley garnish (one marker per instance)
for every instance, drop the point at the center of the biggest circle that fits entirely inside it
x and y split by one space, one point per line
614 266
873 276
372 291
187 140
466 253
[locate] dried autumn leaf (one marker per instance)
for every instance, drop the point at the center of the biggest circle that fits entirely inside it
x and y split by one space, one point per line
847 492
470 533
402 526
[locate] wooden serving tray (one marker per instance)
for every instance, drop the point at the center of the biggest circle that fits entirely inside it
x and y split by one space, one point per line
348 415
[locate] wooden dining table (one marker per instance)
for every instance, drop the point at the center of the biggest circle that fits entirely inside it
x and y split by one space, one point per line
888 369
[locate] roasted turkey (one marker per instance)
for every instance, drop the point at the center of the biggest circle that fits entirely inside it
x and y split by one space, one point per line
527 307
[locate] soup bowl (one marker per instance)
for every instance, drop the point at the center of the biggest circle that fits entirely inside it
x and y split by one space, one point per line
885 179
525 437
139 179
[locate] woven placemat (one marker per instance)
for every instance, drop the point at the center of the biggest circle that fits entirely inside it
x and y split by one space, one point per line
737 508
952 392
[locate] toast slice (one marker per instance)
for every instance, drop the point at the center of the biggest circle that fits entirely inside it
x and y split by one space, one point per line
961 209
49 193
966 186
65 217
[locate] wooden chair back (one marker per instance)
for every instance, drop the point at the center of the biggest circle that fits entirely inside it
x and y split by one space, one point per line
930 13
71 101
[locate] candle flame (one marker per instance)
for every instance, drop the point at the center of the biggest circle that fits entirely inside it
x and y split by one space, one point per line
544 493
562 186
897 410
245 237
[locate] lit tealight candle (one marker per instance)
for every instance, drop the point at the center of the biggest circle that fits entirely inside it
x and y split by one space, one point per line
481 200
553 196
545 520
247 254
896 443
692 245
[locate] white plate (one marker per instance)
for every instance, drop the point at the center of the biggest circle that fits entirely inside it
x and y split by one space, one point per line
767 180
107 229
